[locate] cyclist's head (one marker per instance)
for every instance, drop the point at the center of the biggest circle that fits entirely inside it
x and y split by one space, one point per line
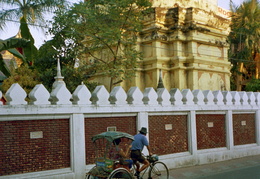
117 141
143 131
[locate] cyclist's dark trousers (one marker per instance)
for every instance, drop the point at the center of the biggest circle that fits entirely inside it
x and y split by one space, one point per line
136 155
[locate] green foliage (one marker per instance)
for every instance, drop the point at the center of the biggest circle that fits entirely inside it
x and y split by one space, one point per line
103 32
29 12
30 51
26 77
46 64
74 77
32 10
245 39
245 26
10 45
253 85
233 86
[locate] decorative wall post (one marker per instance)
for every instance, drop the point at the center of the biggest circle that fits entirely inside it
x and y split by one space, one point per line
229 130
78 152
192 133
257 121
142 121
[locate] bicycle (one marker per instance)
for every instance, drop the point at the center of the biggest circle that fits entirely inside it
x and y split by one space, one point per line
156 169
107 168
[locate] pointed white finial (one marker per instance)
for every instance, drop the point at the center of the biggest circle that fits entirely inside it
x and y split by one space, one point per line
58 78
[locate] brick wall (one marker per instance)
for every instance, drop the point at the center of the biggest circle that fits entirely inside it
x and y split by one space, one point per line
95 126
244 129
19 153
211 131
168 134
164 141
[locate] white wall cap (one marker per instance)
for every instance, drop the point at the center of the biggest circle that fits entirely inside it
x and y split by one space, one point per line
118 96
100 96
150 96
257 98
187 97
243 97
134 96
251 98
198 97
163 96
81 95
218 97
60 95
39 95
208 97
176 96
236 99
228 99
15 95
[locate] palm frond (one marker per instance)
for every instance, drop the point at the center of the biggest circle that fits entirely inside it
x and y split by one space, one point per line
32 10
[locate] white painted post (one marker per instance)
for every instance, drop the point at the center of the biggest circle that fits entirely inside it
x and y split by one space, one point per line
142 121
257 124
192 133
78 152
229 130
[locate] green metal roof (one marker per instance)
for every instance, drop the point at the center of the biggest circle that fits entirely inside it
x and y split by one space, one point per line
112 135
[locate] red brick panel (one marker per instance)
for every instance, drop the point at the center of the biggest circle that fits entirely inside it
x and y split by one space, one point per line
211 131
244 129
164 141
95 126
21 154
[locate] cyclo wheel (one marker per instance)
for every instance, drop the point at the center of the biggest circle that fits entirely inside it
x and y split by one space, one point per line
90 177
94 172
94 177
158 170
120 173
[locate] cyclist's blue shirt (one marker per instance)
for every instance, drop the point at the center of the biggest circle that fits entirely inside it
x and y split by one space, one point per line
139 142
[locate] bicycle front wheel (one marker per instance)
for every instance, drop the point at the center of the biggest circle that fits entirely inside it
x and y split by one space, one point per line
158 170
120 173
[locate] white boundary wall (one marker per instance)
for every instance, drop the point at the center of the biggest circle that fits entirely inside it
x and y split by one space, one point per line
60 104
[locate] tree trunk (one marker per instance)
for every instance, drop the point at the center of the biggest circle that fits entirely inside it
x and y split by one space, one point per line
111 84
257 66
239 77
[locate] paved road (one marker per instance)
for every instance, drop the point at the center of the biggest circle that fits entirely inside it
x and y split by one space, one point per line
243 173
243 168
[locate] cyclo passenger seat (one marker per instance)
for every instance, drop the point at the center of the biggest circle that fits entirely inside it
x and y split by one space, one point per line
127 164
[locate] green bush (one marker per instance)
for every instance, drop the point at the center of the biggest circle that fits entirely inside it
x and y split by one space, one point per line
253 85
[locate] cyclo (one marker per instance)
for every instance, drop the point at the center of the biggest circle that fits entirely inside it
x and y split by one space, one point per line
106 167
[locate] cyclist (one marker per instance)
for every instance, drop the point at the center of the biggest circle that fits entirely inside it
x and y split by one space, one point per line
138 144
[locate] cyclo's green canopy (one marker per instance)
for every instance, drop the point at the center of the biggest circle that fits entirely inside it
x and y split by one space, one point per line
112 135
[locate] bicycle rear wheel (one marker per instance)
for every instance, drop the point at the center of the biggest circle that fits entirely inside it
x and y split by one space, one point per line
120 173
158 170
